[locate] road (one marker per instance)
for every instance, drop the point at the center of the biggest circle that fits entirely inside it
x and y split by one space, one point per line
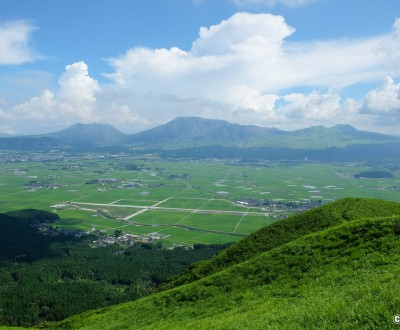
173 209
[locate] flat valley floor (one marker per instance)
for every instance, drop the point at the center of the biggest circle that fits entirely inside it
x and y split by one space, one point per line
180 202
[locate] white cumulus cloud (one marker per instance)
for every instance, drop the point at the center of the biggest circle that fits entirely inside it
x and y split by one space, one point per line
122 116
252 50
39 107
237 70
383 101
77 93
312 106
74 101
228 53
241 32
14 43
240 69
249 105
6 117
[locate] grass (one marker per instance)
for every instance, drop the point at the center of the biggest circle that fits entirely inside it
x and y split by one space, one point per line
181 236
223 205
251 223
284 231
184 202
212 221
335 267
342 276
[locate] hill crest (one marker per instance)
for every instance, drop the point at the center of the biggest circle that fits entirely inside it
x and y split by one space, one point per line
319 276
284 231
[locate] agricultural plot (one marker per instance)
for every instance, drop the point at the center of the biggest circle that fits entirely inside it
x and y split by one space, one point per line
85 221
215 222
186 201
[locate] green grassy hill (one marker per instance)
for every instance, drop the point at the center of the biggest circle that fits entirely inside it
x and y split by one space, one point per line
284 231
336 267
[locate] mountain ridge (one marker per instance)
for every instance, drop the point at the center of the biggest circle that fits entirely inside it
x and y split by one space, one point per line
286 230
195 132
318 276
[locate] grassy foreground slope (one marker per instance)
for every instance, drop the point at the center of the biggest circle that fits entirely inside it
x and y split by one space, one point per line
342 277
287 230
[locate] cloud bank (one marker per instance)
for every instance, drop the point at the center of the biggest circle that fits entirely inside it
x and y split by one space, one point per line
244 69
240 69
74 100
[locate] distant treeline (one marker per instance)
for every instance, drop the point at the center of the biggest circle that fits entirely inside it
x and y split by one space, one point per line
373 153
28 143
46 278
375 175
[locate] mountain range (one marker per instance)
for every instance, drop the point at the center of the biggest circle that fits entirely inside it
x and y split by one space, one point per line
194 136
198 132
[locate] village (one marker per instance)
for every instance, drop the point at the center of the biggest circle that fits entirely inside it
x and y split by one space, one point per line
126 240
119 238
280 206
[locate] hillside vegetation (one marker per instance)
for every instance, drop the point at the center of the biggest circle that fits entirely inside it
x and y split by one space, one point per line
287 230
336 267
51 277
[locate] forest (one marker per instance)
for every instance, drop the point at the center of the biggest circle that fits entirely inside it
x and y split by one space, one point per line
47 278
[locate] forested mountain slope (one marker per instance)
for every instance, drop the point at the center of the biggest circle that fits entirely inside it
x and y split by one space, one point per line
50 275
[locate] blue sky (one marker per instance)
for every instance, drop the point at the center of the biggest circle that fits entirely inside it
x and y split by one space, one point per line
139 63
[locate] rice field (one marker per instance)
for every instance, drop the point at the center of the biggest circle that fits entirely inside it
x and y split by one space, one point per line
187 201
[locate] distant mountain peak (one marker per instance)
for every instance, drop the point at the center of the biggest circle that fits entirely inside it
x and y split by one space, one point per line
90 126
81 134
197 131
189 132
345 128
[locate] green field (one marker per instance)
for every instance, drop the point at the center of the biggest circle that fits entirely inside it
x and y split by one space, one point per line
333 267
188 201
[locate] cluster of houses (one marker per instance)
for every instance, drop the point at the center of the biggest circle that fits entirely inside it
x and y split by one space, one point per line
126 240
122 239
280 206
46 184
49 230
102 181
